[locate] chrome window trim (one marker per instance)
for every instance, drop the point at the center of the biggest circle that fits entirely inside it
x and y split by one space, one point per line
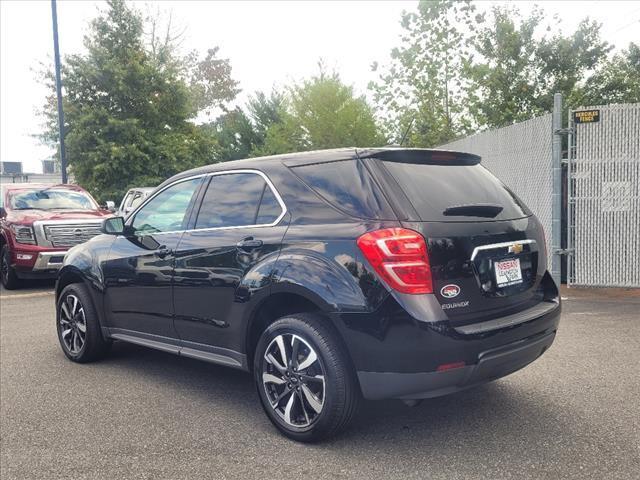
499 245
268 181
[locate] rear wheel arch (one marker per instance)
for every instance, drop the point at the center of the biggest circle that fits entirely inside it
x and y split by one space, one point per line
276 306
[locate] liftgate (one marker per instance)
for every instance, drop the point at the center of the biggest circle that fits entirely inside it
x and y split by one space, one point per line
603 190
520 156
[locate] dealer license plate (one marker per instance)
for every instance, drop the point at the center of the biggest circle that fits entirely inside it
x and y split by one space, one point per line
508 272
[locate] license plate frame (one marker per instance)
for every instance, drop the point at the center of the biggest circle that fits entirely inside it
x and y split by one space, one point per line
507 272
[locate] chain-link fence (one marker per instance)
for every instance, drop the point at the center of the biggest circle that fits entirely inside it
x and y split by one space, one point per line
520 156
604 198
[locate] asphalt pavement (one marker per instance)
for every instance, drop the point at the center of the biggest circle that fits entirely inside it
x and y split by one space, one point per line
575 413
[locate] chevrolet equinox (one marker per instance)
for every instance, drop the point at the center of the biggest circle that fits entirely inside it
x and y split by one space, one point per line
332 276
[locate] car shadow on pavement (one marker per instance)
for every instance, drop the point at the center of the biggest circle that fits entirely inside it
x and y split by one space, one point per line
30 286
488 413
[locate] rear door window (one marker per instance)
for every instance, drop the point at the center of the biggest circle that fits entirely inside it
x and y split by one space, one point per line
238 200
454 193
347 186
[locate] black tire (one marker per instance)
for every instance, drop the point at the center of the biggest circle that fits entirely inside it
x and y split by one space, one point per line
93 346
338 396
8 275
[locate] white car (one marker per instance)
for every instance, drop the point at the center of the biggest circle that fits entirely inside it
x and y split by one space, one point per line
132 199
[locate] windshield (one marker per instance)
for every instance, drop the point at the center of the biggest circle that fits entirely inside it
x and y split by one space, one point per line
51 199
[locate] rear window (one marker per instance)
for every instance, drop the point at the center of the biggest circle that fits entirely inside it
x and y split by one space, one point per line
238 200
348 186
454 193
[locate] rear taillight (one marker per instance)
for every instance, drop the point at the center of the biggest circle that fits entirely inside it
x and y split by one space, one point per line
400 257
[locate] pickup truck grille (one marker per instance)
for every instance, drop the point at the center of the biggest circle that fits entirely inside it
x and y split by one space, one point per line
61 235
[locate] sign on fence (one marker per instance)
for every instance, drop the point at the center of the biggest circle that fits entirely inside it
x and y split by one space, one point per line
586 116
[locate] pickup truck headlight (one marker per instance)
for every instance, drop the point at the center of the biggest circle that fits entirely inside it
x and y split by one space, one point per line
23 234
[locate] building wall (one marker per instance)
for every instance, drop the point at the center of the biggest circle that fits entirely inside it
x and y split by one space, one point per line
52 179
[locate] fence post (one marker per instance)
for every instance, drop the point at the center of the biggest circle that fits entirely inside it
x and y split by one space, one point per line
570 200
556 196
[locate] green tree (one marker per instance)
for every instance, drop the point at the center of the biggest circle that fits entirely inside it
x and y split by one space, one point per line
518 65
503 72
235 135
129 111
241 134
456 71
321 112
616 81
423 84
266 110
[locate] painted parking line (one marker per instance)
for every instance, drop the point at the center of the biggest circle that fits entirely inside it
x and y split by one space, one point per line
26 295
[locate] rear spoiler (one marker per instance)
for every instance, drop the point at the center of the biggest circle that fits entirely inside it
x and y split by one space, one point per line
420 155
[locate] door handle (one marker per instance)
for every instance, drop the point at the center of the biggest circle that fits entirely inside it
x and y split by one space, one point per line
163 251
249 243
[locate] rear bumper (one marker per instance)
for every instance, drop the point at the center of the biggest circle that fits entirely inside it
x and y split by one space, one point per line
397 355
492 364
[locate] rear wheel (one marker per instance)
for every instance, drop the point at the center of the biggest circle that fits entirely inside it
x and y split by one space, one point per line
304 378
8 275
78 326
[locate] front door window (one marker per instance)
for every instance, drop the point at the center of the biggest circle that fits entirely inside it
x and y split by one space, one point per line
166 212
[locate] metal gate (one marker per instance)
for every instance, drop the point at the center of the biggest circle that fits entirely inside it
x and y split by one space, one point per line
603 190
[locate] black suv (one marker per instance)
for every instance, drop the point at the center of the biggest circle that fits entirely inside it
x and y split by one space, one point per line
331 275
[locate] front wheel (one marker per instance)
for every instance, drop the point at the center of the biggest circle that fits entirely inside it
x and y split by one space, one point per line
304 378
78 326
8 275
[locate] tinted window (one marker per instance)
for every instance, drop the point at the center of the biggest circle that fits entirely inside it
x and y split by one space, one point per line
270 209
166 211
346 185
456 193
237 199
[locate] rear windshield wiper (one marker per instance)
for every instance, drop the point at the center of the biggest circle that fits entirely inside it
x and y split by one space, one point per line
473 210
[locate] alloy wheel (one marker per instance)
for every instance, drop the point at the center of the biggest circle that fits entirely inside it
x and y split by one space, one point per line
72 324
293 378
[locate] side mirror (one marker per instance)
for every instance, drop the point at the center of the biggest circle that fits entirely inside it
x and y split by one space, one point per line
111 206
113 226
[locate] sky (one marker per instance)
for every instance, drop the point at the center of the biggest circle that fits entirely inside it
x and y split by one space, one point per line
270 43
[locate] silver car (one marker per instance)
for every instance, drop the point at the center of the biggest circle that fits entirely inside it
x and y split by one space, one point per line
132 199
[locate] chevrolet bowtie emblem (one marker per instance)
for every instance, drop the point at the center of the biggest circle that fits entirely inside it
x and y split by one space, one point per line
515 248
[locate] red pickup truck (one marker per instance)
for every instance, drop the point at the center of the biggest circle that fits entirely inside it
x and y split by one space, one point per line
38 224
